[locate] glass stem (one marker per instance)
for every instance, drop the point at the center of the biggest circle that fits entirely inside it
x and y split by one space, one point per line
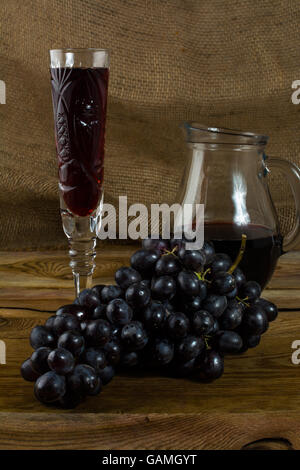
82 281
82 254
82 236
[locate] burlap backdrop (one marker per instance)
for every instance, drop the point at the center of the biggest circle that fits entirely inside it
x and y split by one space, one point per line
228 63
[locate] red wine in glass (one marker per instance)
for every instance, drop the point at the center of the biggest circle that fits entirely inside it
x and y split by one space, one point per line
79 102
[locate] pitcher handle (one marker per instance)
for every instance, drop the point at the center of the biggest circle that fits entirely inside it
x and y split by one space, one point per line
292 174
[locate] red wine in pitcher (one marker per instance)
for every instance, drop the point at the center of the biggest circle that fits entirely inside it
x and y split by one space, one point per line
263 248
79 105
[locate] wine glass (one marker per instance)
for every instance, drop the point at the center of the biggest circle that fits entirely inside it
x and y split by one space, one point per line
79 80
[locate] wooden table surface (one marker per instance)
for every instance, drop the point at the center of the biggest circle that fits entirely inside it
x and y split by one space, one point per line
255 405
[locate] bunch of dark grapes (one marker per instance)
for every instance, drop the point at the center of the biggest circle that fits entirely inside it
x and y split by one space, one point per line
177 310
74 353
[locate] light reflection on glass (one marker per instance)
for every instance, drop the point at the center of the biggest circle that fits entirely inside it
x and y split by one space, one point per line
239 194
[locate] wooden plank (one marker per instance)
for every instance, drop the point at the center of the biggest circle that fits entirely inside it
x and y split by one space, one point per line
147 431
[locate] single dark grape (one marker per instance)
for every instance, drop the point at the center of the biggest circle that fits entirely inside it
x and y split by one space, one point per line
138 296
126 276
192 304
79 311
27 371
50 387
255 321
270 309
211 366
119 312
177 325
223 283
167 265
49 322
251 291
99 312
98 289
161 352
106 374
65 322
239 277
95 358
41 336
163 288
88 298
215 304
159 245
220 262
202 323
72 341
134 336
98 333
110 293
144 262
227 342
209 251
154 316
192 259
188 283
89 378
61 361
129 359
39 360
232 317
113 352
189 348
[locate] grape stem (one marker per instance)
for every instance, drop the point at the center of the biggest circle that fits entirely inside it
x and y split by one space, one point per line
242 301
201 276
167 252
206 339
240 254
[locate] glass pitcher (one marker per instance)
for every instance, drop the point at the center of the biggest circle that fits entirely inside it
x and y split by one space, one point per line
226 171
